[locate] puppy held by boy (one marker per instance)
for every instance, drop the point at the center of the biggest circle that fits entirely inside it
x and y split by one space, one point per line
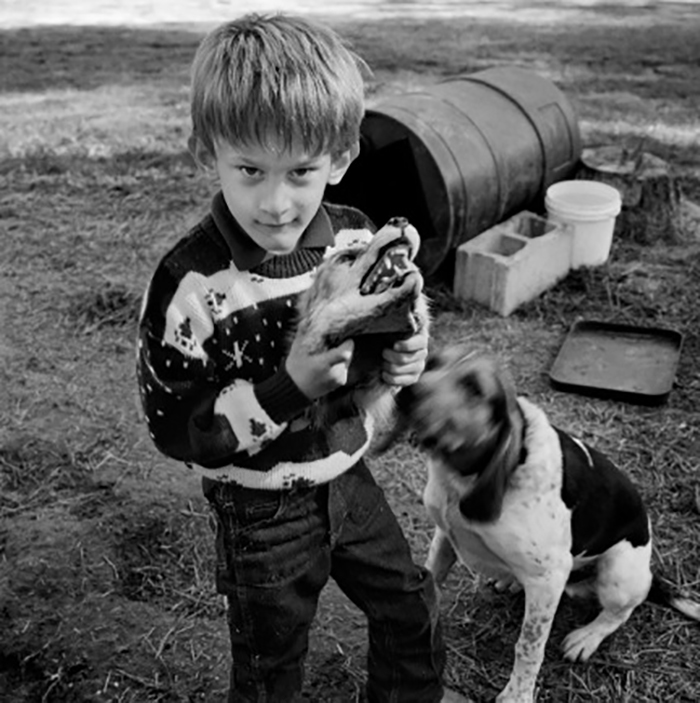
367 289
527 504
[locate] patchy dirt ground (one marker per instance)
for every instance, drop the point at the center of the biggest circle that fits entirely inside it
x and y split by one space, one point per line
106 588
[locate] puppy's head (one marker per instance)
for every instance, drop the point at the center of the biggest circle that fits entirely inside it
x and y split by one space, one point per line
368 289
464 411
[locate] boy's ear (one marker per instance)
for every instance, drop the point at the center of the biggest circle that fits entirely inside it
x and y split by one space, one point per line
341 163
201 155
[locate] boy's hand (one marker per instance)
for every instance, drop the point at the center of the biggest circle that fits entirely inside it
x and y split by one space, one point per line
404 363
317 375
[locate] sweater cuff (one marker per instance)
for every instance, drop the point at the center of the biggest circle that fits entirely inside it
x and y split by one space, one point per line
280 397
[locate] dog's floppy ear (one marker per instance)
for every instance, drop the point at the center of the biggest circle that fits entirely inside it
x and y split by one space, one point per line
484 501
404 402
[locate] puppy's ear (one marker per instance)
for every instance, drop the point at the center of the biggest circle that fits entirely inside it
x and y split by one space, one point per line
433 361
405 400
485 501
507 397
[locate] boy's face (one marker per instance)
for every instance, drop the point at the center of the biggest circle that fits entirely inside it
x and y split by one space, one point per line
274 195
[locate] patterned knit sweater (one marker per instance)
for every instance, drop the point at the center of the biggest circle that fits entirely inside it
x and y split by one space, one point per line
214 330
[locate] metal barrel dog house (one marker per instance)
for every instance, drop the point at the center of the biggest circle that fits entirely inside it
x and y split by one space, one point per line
462 155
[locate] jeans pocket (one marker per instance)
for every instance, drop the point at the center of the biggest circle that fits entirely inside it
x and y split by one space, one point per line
240 515
262 509
274 541
243 509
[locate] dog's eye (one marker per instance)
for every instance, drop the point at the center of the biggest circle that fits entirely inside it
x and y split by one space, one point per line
347 256
429 442
470 384
432 362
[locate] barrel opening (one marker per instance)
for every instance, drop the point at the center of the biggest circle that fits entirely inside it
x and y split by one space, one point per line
384 182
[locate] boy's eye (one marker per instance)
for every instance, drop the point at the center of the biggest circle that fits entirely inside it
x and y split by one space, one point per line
301 172
249 171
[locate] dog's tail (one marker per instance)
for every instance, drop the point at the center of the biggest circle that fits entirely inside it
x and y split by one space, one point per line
663 593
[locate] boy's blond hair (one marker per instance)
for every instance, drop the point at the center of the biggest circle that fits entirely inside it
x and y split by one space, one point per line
277 81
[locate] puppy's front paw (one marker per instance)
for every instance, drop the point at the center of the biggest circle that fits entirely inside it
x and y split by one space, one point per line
506 583
580 644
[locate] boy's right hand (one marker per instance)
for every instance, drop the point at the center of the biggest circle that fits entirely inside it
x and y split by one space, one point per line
317 375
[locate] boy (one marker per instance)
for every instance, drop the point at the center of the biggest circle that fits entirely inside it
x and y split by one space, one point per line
276 108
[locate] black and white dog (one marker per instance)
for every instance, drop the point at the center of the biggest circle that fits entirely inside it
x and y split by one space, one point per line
525 503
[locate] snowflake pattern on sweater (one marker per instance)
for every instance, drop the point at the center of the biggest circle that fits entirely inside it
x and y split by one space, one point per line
213 335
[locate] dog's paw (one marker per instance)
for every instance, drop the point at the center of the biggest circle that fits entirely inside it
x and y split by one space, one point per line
506 584
580 644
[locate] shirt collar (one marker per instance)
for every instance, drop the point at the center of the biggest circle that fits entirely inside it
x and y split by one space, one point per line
246 254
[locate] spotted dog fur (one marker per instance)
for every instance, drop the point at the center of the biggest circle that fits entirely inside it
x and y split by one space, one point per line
527 504
370 291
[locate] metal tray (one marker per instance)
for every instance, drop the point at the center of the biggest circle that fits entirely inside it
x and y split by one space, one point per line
621 362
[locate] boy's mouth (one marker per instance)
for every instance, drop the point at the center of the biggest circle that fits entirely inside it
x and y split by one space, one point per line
275 226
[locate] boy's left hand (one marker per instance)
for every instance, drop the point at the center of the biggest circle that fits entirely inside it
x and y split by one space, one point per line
404 363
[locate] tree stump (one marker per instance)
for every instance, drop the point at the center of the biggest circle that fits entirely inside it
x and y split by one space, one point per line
651 198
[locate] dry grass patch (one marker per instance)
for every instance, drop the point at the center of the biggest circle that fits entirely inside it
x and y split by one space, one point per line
106 579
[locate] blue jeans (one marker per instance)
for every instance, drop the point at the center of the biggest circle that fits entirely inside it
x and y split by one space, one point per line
276 551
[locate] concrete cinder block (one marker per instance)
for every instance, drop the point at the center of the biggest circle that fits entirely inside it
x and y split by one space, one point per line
513 262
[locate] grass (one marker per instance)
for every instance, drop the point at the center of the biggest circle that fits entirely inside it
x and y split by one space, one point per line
106 579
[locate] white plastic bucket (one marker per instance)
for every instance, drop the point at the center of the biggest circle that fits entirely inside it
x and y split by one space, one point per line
590 207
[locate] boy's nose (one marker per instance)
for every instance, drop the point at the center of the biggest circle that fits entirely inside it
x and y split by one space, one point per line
275 201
